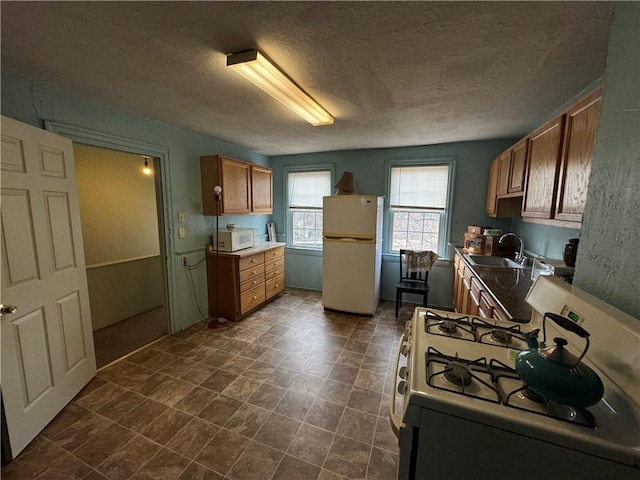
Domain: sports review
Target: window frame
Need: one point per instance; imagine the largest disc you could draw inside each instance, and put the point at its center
(287, 210)
(446, 216)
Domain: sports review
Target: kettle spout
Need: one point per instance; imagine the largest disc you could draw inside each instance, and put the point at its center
(532, 339)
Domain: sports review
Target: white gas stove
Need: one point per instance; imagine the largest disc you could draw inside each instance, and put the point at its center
(461, 411)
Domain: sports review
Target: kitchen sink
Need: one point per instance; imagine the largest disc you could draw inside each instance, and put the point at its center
(493, 262)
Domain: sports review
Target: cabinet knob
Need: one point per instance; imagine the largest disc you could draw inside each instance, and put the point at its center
(277, 285)
(254, 297)
(277, 272)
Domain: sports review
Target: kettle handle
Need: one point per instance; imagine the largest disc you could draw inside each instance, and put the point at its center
(568, 324)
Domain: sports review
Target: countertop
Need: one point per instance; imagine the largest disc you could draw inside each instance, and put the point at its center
(246, 252)
(508, 286)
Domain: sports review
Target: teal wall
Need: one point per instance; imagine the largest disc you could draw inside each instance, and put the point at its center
(608, 265)
(543, 240)
(32, 102)
(304, 267)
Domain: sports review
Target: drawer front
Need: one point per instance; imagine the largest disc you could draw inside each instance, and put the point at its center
(476, 288)
(468, 275)
(276, 264)
(275, 285)
(251, 298)
(485, 307)
(274, 253)
(252, 261)
(251, 283)
(249, 273)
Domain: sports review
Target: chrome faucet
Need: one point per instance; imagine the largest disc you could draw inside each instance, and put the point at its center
(520, 257)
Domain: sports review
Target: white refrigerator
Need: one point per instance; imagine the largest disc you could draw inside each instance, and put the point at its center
(351, 252)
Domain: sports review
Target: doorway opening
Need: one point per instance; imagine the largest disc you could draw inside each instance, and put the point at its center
(122, 229)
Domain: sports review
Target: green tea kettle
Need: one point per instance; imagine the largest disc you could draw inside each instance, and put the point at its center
(555, 374)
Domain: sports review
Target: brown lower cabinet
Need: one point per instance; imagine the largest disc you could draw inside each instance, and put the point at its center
(470, 297)
(240, 282)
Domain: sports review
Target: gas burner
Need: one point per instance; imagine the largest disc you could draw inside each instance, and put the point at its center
(501, 336)
(533, 396)
(458, 373)
(447, 326)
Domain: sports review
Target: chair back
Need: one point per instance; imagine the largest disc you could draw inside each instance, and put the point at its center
(418, 277)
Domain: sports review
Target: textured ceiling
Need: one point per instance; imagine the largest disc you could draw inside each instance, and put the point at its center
(391, 73)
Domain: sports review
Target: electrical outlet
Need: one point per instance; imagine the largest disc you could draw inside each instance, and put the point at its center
(185, 261)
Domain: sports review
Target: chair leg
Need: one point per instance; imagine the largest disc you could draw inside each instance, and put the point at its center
(424, 299)
(398, 299)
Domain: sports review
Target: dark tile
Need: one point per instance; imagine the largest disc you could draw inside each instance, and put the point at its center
(350, 359)
(311, 444)
(293, 468)
(343, 373)
(364, 400)
(192, 438)
(259, 370)
(115, 370)
(222, 451)
(195, 401)
(282, 377)
(383, 465)
(96, 382)
(67, 417)
(100, 396)
(247, 420)
(241, 388)
(257, 461)
(31, 464)
(307, 384)
(96, 450)
(357, 425)
(142, 415)
(347, 457)
(336, 392)
(218, 380)
(236, 364)
(267, 396)
(216, 359)
(370, 380)
(121, 405)
(81, 431)
(67, 468)
(253, 351)
(128, 459)
(325, 414)
(133, 377)
(220, 410)
(278, 431)
(198, 472)
(321, 368)
(295, 405)
(172, 392)
(197, 374)
(384, 436)
(152, 384)
(164, 464)
(177, 367)
(166, 425)
(143, 355)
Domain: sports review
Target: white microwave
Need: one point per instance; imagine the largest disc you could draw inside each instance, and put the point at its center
(236, 239)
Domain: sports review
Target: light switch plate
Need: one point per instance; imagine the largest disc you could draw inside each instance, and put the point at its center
(182, 232)
(180, 217)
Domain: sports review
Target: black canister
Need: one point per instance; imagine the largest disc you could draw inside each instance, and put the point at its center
(569, 252)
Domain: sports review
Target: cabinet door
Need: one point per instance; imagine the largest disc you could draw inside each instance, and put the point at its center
(492, 186)
(580, 135)
(235, 178)
(545, 149)
(503, 173)
(261, 189)
(518, 166)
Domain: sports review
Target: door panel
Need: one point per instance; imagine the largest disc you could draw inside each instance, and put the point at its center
(47, 345)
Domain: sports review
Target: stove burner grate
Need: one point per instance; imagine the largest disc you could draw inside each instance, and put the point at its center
(458, 374)
(460, 327)
(447, 326)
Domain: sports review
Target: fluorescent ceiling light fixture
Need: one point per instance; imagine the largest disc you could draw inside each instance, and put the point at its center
(255, 67)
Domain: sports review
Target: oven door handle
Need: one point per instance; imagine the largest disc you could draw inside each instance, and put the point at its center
(396, 420)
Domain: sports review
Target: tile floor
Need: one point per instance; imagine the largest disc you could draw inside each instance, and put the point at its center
(291, 392)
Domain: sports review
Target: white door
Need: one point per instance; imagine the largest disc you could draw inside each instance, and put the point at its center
(353, 216)
(47, 344)
(349, 279)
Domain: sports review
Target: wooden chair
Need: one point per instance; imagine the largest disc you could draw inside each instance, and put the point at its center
(415, 282)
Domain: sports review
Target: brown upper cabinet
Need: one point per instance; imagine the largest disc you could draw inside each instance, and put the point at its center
(518, 167)
(546, 174)
(246, 187)
(575, 168)
(544, 161)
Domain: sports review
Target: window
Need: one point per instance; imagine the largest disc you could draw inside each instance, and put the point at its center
(418, 201)
(306, 190)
